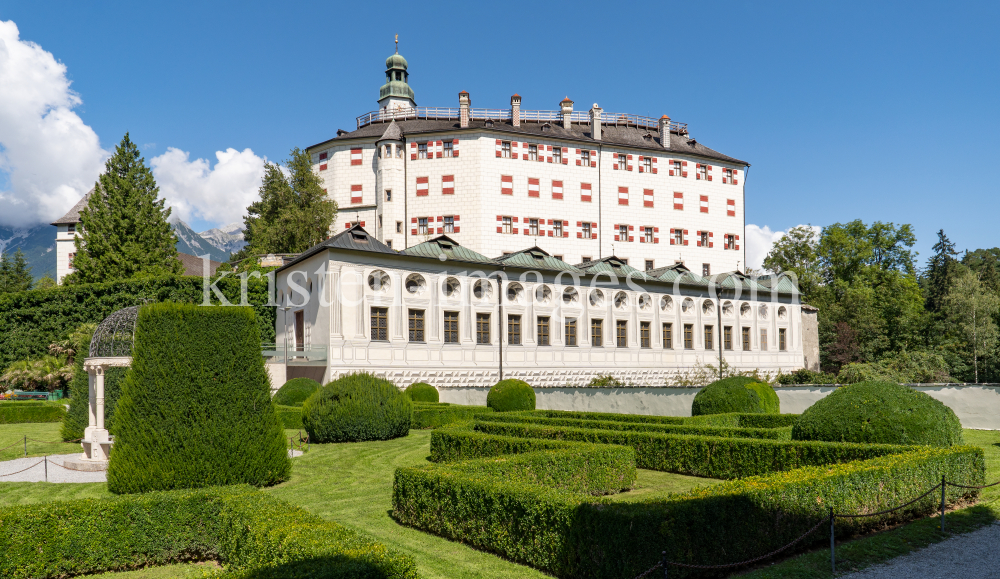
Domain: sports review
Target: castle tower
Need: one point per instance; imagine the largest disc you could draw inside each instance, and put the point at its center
(389, 187)
(396, 93)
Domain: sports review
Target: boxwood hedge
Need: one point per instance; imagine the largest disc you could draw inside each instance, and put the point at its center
(572, 534)
(290, 416)
(295, 391)
(426, 415)
(357, 407)
(19, 412)
(195, 408)
(511, 396)
(743, 420)
(708, 456)
(422, 392)
(735, 394)
(252, 533)
(771, 433)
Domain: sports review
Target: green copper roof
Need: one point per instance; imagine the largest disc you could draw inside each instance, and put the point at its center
(614, 266)
(396, 79)
(446, 246)
(535, 258)
(395, 61)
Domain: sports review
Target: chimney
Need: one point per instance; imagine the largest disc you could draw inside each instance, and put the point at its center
(463, 109)
(595, 122)
(665, 131)
(515, 110)
(567, 110)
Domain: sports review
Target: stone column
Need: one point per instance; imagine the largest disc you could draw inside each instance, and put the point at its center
(99, 397)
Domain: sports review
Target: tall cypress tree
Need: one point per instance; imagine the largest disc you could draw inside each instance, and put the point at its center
(125, 233)
(15, 273)
(940, 271)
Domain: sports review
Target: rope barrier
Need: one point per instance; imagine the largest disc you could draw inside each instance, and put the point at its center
(11, 446)
(934, 488)
(70, 468)
(22, 470)
(53, 442)
(974, 486)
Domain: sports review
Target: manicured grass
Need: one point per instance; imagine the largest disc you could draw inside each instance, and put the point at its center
(179, 571)
(654, 482)
(867, 551)
(48, 432)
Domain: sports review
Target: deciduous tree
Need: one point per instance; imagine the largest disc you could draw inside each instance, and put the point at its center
(971, 311)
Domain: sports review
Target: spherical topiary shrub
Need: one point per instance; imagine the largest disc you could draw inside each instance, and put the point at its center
(357, 407)
(879, 412)
(511, 396)
(295, 391)
(422, 392)
(735, 394)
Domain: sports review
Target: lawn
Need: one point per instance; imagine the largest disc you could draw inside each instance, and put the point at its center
(352, 484)
(179, 571)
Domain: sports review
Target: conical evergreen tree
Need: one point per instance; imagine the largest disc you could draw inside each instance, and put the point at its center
(15, 273)
(940, 270)
(124, 229)
(293, 213)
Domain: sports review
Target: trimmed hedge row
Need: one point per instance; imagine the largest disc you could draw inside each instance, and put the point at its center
(296, 391)
(646, 419)
(427, 415)
(12, 413)
(461, 442)
(707, 456)
(290, 416)
(575, 535)
(743, 420)
(593, 469)
(255, 534)
(768, 433)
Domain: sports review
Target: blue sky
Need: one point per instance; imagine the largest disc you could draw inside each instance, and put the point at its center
(871, 110)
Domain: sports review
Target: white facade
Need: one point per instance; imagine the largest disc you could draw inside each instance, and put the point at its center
(466, 174)
(341, 300)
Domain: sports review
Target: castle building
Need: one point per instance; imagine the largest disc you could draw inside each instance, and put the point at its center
(582, 185)
(553, 246)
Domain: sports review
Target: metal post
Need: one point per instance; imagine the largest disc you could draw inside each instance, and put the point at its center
(663, 563)
(46, 468)
(833, 558)
(25, 446)
(943, 487)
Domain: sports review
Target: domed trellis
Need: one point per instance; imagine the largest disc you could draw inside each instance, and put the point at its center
(111, 346)
(115, 335)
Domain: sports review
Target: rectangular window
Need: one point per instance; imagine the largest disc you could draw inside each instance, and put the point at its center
(72, 256)
(645, 339)
(451, 327)
(570, 331)
(449, 224)
(71, 228)
(585, 259)
(649, 264)
(706, 269)
(688, 337)
(421, 150)
(514, 330)
(703, 172)
(533, 226)
(746, 339)
(543, 330)
(507, 225)
(763, 339)
(448, 148)
(709, 337)
(668, 336)
(622, 233)
(505, 149)
(677, 171)
(380, 324)
(596, 333)
(678, 237)
(621, 333)
(399, 227)
(647, 234)
(727, 176)
(702, 239)
(532, 152)
(585, 158)
(388, 195)
(586, 231)
(647, 164)
(422, 226)
(416, 322)
(730, 241)
(622, 162)
(388, 243)
(782, 346)
(557, 228)
(482, 328)
(557, 155)
(727, 337)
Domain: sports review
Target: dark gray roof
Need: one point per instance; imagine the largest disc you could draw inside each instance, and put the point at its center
(355, 238)
(629, 136)
(392, 133)
(73, 216)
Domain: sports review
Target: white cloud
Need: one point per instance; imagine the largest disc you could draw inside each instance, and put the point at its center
(760, 240)
(196, 190)
(48, 157)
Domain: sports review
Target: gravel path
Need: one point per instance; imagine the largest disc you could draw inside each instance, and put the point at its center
(56, 474)
(974, 555)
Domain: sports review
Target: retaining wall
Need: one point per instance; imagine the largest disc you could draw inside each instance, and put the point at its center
(976, 405)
